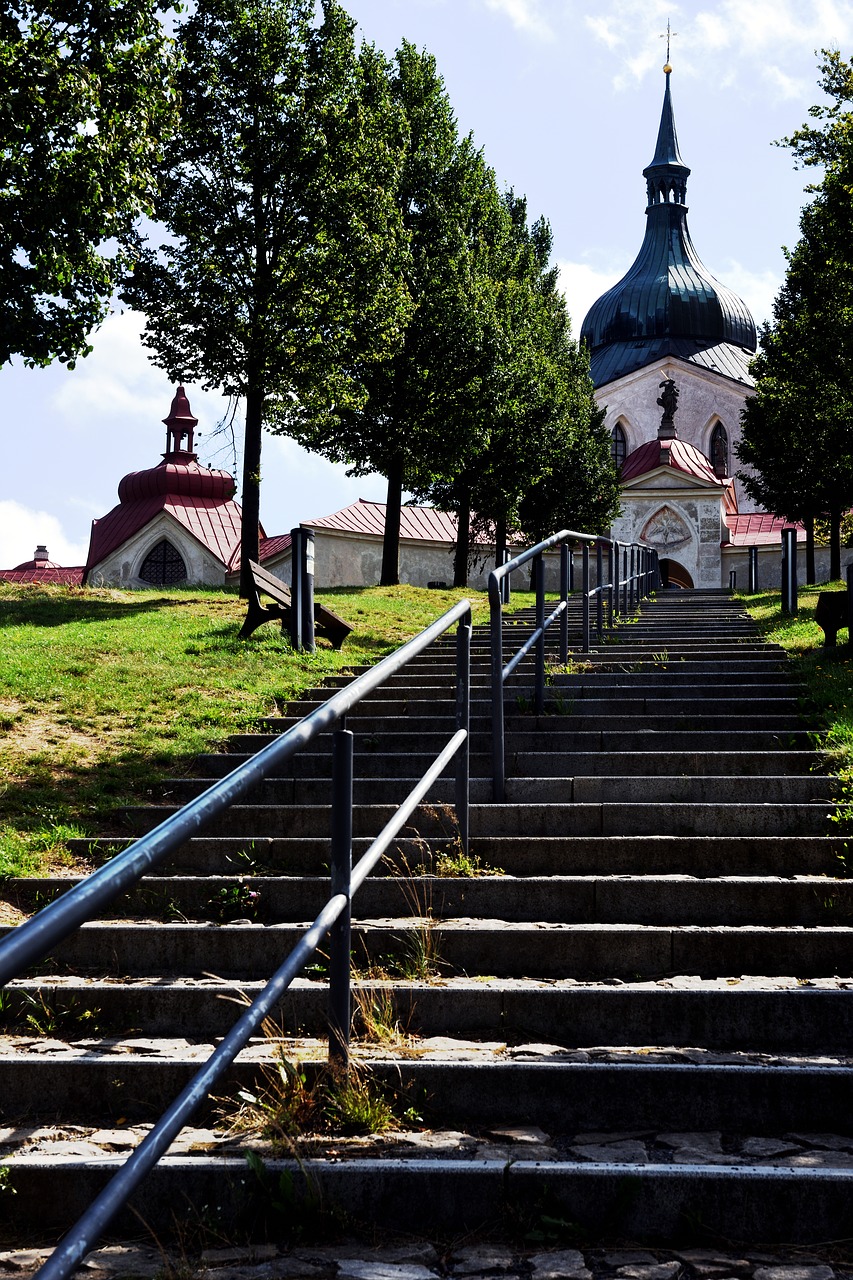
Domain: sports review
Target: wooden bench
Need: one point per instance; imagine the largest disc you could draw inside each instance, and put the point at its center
(831, 615)
(326, 621)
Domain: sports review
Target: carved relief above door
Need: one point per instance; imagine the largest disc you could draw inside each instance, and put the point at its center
(666, 530)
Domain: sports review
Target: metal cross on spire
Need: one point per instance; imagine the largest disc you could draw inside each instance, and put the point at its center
(668, 36)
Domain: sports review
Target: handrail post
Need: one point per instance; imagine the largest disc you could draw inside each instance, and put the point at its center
(463, 721)
(610, 547)
(599, 589)
(309, 643)
(539, 569)
(572, 569)
(564, 596)
(496, 639)
(296, 585)
(624, 583)
(341, 869)
(632, 585)
(585, 591)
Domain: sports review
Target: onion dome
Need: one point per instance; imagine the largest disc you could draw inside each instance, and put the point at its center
(668, 303)
(180, 474)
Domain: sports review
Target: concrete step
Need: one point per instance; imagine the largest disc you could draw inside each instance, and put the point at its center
(792, 737)
(561, 899)
(739, 789)
(530, 855)
(758, 1015)
(491, 947)
(519, 819)
(374, 762)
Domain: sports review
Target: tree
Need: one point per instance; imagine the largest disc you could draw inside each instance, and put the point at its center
(796, 428)
(280, 282)
(87, 103)
(411, 424)
(537, 456)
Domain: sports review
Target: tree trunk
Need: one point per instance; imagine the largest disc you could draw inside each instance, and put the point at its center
(500, 541)
(834, 545)
(463, 529)
(251, 496)
(811, 571)
(391, 540)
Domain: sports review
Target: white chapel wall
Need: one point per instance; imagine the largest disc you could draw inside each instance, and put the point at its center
(121, 567)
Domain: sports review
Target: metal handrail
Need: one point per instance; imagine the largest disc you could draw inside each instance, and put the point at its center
(625, 587)
(35, 938)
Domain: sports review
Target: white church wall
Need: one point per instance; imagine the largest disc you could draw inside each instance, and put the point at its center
(681, 523)
(705, 398)
(121, 568)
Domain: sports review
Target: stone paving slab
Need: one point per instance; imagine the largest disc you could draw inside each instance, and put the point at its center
(422, 1260)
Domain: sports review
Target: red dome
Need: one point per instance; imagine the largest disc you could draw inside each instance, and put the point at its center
(668, 453)
(179, 479)
(28, 565)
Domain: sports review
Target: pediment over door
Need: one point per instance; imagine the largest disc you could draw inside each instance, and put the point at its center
(666, 531)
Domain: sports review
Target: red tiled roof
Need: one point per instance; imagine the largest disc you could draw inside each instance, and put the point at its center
(274, 546)
(760, 529)
(668, 453)
(216, 525)
(423, 524)
(54, 574)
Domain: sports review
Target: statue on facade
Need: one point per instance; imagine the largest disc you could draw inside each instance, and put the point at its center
(668, 401)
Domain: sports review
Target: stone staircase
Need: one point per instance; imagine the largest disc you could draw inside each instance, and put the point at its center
(634, 1020)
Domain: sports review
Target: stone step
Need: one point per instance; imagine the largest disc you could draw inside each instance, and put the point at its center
(664, 717)
(374, 762)
(739, 789)
(490, 1088)
(560, 899)
(618, 739)
(531, 855)
(616, 818)
(464, 1197)
(490, 947)
(755, 1014)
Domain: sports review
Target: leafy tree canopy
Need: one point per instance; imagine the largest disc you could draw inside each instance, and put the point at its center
(796, 432)
(86, 102)
(280, 280)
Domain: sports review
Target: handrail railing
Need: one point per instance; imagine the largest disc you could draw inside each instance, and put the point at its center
(39, 935)
(632, 573)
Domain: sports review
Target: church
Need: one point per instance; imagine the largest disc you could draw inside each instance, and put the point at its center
(670, 337)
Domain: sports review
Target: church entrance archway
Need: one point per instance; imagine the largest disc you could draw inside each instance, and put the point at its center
(673, 574)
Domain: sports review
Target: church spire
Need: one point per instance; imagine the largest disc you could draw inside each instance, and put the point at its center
(666, 176)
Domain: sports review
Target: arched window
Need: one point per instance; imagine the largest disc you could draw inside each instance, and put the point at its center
(163, 566)
(720, 450)
(618, 446)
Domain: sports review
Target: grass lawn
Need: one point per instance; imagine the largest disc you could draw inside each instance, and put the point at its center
(828, 673)
(103, 691)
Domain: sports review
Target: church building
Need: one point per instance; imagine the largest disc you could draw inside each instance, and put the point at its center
(670, 337)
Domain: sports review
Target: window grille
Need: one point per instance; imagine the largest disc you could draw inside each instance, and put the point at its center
(163, 566)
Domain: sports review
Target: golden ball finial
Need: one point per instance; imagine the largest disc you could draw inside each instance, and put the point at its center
(667, 68)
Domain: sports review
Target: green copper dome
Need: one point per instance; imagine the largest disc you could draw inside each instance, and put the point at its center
(668, 304)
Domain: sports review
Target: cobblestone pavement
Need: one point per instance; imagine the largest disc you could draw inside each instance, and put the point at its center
(425, 1261)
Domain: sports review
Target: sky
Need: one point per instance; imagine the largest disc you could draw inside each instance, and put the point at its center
(564, 96)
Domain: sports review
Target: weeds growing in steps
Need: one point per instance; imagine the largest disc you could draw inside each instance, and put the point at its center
(46, 1013)
(287, 1105)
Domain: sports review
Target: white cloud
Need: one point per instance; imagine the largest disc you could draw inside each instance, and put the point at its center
(23, 529)
(583, 285)
(727, 33)
(525, 15)
(785, 86)
(757, 288)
